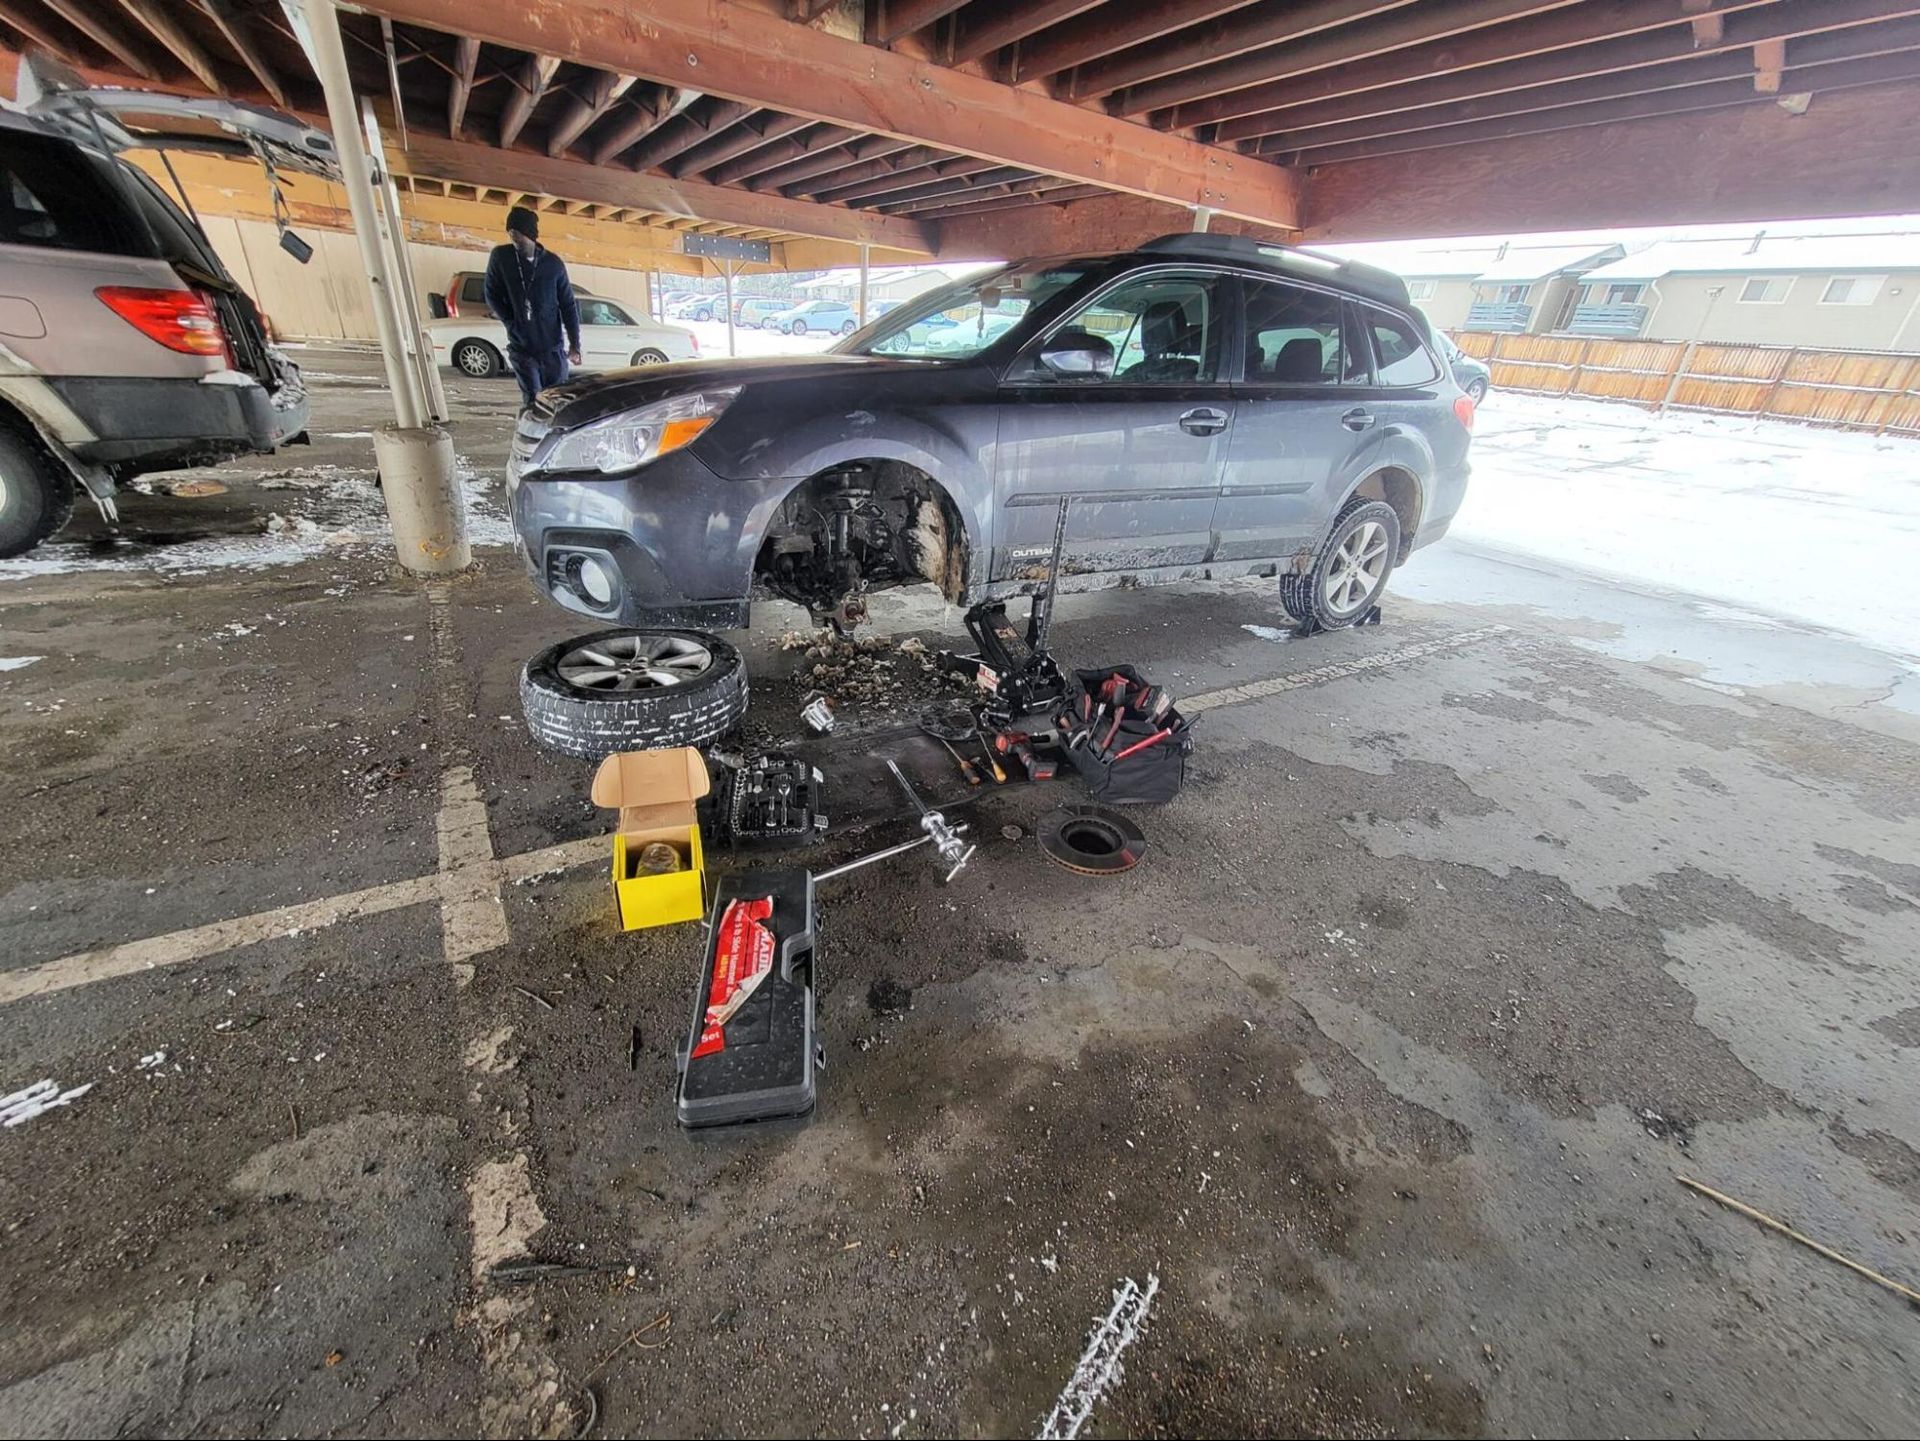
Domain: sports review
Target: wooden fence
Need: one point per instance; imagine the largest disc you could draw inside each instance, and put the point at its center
(1874, 390)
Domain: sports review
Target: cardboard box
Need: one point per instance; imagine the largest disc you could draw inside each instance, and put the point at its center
(655, 792)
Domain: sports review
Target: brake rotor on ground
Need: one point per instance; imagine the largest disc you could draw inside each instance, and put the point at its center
(1090, 840)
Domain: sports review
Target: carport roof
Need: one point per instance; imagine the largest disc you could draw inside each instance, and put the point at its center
(971, 128)
(1537, 262)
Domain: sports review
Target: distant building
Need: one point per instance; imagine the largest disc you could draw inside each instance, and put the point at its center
(1844, 292)
(898, 282)
(1491, 285)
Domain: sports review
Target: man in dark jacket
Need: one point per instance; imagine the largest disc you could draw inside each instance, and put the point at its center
(528, 292)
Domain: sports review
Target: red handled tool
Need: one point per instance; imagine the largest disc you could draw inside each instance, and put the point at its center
(1153, 739)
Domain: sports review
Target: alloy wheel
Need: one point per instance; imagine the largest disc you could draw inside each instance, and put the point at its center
(1356, 568)
(635, 662)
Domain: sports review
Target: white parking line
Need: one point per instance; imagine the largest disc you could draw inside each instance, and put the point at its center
(1099, 1366)
(468, 883)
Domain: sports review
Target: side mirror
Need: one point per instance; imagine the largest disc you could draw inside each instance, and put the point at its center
(1075, 354)
(295, 246)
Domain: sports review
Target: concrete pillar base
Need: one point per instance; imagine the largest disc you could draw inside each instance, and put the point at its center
(424, 501)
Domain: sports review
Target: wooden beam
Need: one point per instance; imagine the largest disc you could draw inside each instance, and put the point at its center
(687, 199)
(1565, 29)
(1769, 59)
(634, 127)
(1851, 154)
(896, 19)
(856, 152)
(946, 187)
(1058, 195)
(1836, 75)
(781, 153)
(466, 59)
(182, 46)
(594, 99)
(80, 15)
(1389, 86)
(909, 157)
(699, 121)
(749, 135)
(1007, 22)
(911, 178)
(1714, 68)
(233, 28)
(1107, 31)
(1707, 23)
(749, 54)
(1230, 45)
(530, 84)
(966, 192)
(31, 30)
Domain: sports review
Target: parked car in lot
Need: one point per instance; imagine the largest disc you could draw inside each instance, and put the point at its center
(818, 317)
(1473, 376)
(129, 347)
(753, 311)
(612, 337)
(698, 307)
(1211, 406)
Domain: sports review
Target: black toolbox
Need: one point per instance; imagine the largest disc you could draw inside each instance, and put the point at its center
(751, 1057)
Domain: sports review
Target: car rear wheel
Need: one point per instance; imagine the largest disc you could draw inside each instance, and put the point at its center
(846, 327)
(649, 356)
(627, 689)
(703, 314)
(478, 359)
(799, 327)
(1350, 572)
(1478, 390)
(36, 493)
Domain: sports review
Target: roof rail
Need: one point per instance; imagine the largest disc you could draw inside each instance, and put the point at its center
(1368, 280)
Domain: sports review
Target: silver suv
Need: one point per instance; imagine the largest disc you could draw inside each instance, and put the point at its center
(125, 346)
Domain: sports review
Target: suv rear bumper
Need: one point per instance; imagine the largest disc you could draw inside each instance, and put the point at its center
(147, 423)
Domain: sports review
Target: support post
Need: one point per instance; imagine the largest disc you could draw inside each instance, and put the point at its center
(863, 281)
(418, 480)
(728, 264)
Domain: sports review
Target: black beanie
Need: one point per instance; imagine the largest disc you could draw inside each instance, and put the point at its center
(525, 221)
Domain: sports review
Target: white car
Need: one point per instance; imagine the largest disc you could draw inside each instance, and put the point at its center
(612, 337)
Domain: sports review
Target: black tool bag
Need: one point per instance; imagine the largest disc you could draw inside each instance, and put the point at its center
(1107, 748)
(758, 1063)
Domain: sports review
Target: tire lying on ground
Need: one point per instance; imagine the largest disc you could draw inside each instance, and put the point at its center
(632, 690)
(1349, 572)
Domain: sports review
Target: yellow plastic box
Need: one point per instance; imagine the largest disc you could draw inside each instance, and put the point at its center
(655, 792)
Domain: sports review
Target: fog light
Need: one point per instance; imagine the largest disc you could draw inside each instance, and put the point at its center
(593, 579)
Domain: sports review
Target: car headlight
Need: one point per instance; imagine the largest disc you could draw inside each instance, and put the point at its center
(632, 439)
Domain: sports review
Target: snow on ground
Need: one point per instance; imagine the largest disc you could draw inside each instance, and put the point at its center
(713, 340)
(1821, 526)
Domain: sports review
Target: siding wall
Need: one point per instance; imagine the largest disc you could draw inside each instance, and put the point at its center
(1891, 322)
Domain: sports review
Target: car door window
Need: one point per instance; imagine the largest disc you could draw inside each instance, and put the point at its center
(1295, 337)
(1165, 329)
(602, 312)
(1401, 356)
(55, 195)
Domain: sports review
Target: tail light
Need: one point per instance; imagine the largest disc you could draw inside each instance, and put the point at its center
(453, 300)
(179, 319)
(696, 342)
(1463, 407)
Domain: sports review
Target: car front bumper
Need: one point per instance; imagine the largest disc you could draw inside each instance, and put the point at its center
(671, 544)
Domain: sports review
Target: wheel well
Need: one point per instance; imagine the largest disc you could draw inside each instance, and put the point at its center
(860, 525)
(1400, 490)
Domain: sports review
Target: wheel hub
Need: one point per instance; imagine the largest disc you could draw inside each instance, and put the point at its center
(635, 662)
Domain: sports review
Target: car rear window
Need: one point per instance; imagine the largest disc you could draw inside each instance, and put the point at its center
(58, 196)
(1401, 357)
(473, 290)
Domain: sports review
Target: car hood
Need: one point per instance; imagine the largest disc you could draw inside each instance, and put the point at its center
(581, 401)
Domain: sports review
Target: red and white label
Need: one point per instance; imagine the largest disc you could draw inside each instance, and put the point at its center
(743, 958)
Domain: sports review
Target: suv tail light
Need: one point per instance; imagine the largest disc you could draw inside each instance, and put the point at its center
(453, 300)
(179, 319)
(696, 342)
(1463, 407)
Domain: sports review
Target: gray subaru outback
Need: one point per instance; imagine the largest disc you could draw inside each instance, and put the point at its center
(1214, 407)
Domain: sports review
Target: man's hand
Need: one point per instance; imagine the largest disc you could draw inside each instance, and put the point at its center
(573, 356)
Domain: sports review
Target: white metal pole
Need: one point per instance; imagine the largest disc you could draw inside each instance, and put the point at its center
(429, 394)
(330, 64)
(863, 282)
(729, 274)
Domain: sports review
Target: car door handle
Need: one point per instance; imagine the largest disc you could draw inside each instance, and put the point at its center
(1359, 418)
(1204, 420)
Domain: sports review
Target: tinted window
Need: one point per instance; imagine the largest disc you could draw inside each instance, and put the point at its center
(1400, 354)
(1164, 329)
(602, 312)
(57, 195)
(473, 290)
(1293, 336)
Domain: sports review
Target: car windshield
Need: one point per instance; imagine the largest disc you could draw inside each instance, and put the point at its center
(958, 321)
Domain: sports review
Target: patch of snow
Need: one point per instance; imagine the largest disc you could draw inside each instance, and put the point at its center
(18, 662)
(39, 1098)
(1267, 632)
(1772, 518)
(235, 378)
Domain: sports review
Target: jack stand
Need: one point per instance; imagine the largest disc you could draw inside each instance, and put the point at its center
(1017, 673)
(1309, 628)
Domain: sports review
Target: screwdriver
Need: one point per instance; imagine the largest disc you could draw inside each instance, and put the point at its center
(993, 761)
(966, 766)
